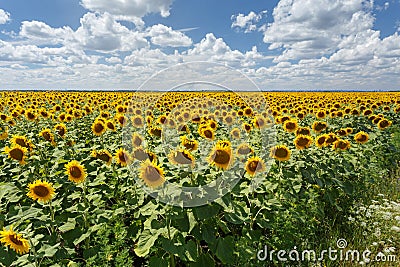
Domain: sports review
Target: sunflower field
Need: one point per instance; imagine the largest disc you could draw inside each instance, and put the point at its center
(195, 178)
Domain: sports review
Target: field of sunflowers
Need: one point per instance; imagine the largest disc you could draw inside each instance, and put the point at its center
(193, 178)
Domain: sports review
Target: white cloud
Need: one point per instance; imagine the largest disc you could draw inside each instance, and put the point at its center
(97, 32)
(113, 60)
(4, 16)
(309, 28)
(165, 36)
(127, 9)
(247, 22)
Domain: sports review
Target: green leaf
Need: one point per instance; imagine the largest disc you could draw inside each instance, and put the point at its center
(157, 262)
(203, 260)
(69, 225)
(146, 241)
(205, 212)
(224, 249)
(81, 238)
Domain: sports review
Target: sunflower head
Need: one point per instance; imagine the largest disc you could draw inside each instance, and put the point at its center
(181, 157)
(16, 152)
(15, 241)
(319, 126)
(3, 133)
(41, 191)
(235, 133)
(254, 165)
(189, 144)
(137, 140)
(48, 136)
(303, 141)
(290, 126)
(280, 152)
(75, 171)
(221, 155)
(303, 131)
(61, 129)
(244, 149)
(123, 157)
(361, 137)
(320, 140)
(341, 144)
(207, 132)
(98, 127)
(103, 155)
(151, 174)
(110, 125)
(383, 124)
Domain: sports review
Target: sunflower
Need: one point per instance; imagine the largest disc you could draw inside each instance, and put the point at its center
(303, 141)
(320, 140)
(181, 157)
(319, 126)
(137, 140)
(151, 174)
(361, 137)
(244, 149)
(155, 131)
(14, 240)
(137, 121)
(31, 115)
(290, 126)
(41, 191)
(110, 125)
(122, 120)
(303, 131)
(98, 127)
(221, 155)
(103, 155)
(48, 136)
(349, 130)
(383, 124)
(207, 133)
(123, 158)
(16, 152)
(254, 165)
(189, 144)
(341, 132)
(280, 152)
(331, 138)
(3, 133)
(76, 172)
(341, 144)
(235, 133)
(259, 122)
(247, 127)
(61, 129)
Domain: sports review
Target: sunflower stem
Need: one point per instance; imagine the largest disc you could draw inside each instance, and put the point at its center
(85, 213)
(35, 256)
(51, 216)
(168, 222)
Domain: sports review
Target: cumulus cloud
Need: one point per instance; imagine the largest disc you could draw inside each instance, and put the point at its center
(165, 36)
(247, 22)
(308, 28)
(128, 9)
(4, 16)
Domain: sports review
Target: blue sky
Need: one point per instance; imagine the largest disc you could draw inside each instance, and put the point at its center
(287, 44)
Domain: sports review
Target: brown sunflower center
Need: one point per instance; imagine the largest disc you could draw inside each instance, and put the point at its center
(17, 154)
(31, 116)
(21, 142)
(321, 140)
(98, 127)
(137, 121)
(75, 172)
(208, 133)
(60, 131)
(244, 150)
(182, 158)
(362, 138)
(140, 155)
(302, 142)
(383, 123)
(290, 125)
(152, 174)
(320, 126)
(41, 191)
(104, 157)
(123, 157)
(281, 153)
(14, 238)
(254, 165)
(221, 157)
(342, 145)
(137, 141)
